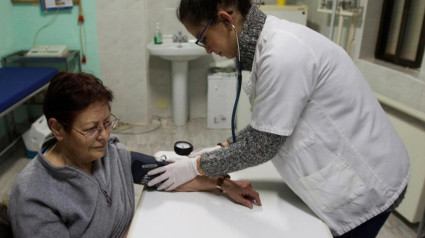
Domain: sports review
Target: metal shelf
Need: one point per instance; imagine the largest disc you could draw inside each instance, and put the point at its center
(71, 61)
(345, 13)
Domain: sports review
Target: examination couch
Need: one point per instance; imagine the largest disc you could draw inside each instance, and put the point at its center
(18, 84)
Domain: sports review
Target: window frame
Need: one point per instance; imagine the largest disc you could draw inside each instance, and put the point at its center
(384, 30)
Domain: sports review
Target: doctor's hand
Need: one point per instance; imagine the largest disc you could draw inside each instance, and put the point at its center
(174, 174)
(201, 151)
(241, 192)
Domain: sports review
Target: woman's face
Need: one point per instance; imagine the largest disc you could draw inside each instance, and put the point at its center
(219, 38)
(84, 150)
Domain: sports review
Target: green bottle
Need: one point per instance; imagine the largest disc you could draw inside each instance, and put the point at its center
(157, 35)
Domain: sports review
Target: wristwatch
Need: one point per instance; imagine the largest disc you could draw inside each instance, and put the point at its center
(220, 182)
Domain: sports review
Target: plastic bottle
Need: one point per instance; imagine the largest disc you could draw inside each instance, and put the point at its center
(157, 35)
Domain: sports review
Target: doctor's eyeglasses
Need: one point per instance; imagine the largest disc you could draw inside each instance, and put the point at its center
(201, 41)
(94, 132)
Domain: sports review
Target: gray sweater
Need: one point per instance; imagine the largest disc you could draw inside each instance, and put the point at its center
(50, 201)
(253, 147)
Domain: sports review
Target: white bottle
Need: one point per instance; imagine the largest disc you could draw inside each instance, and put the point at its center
(157, 39)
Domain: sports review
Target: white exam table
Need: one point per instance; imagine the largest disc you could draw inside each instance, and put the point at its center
(206, 214)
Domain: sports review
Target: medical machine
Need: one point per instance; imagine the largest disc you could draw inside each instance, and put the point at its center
(141, 164)
(48, 51)
(55, 5)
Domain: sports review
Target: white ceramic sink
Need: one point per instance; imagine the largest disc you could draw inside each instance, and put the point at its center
(179, 54)
(176, 51)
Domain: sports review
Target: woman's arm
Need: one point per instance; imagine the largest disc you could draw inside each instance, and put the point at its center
(239, 191)
(31, 217)
(239, 136)
(254, 147)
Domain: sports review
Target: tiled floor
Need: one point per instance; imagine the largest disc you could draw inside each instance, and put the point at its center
(163, 139)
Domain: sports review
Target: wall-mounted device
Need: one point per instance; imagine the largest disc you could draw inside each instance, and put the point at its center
(53, 5)
(48, 51)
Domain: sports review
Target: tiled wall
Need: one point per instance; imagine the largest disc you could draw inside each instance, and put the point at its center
(164, 12)
(122, 27)
(138, 80)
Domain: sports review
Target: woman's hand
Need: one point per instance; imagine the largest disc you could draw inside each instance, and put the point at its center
(241, 192)
(174, 174)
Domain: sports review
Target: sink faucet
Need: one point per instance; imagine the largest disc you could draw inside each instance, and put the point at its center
(179, 37)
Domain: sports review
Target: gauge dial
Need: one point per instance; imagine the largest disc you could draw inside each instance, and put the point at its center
(183, 148)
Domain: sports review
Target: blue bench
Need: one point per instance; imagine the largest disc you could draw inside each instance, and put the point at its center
(18, 84)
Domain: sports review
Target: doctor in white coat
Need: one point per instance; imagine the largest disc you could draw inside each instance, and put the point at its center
(314, 115)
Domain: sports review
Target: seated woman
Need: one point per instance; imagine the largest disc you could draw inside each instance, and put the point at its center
(80, 183)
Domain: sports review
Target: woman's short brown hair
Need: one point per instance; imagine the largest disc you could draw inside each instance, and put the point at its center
(70, 93)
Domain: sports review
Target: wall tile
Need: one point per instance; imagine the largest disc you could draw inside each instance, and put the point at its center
(164, 12)
(122, 53)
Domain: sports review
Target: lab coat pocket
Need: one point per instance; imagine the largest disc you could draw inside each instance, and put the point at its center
(334, 186)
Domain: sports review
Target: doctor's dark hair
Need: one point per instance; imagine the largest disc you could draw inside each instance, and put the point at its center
(70, 93)
(196, 11)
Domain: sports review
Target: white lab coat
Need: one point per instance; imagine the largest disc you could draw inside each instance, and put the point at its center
(342, 155)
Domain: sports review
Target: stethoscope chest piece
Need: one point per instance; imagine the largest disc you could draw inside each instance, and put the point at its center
(183, 148)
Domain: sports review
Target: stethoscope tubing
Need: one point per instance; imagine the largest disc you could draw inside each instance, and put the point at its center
(236, 101)
(239, 75)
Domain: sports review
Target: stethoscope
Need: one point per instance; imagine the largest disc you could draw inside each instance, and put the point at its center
(239, 75)
(183, 147)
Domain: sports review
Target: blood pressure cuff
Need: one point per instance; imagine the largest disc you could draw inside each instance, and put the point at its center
(141, 164)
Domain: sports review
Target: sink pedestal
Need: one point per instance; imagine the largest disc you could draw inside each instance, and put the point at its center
(179, 72)
(179, 54)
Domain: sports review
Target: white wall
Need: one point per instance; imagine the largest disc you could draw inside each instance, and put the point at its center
(122, 39)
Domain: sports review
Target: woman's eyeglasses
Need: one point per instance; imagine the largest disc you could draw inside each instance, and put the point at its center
(201, 41)
(93, 133)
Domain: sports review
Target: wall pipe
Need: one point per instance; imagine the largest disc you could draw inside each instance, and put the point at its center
(331, 33)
